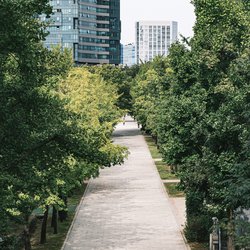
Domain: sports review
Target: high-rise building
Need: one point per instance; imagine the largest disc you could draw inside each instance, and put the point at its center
(91, 28)
(63, 28)
(128, 55)
(154, 38)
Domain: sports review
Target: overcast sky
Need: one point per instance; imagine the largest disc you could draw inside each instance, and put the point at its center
(181, 11)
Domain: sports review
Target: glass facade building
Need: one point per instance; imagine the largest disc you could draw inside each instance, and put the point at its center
(128, 57)
(91, 28)
(63, 28)
(154, 38)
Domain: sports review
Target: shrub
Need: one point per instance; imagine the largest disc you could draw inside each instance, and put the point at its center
(197, 228)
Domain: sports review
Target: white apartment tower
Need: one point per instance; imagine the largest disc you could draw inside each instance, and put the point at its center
(154, 38)
(128, 57)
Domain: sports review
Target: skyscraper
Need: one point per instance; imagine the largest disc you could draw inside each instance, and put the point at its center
(91, 28)
(128, 55)
(63, 28)
(154, 38)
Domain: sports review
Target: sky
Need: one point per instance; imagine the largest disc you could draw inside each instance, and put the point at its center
(181, 11)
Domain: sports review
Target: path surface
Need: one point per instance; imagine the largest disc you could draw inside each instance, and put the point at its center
(126, 207)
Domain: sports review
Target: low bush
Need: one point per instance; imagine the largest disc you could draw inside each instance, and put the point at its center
(197, 228)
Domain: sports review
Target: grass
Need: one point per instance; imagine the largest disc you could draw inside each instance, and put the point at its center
(173, 190)
(198, 246)
(153, 148)
(165, 171)
(55, 241)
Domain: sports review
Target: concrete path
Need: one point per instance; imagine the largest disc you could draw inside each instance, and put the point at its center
(127, 206)
(179, 207)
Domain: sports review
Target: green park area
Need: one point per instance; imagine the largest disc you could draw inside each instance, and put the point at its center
(57, 119)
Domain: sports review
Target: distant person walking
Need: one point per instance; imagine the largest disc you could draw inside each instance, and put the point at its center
(123, 119)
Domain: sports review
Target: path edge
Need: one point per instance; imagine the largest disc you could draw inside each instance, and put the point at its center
(167, 196)
(76, 213)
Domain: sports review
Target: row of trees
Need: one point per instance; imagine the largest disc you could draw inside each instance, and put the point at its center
(56, 122)
(196, 104)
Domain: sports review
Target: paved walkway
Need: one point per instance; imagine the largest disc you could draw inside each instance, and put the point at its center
(126, 207)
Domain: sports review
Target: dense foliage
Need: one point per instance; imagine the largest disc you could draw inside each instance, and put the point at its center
(196, 103)
(121, 78)
(55, 122)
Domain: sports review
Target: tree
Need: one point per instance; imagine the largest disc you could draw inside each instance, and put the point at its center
(23, 71)
(201, 120)
(147, 92)
(49, 143)
(122, 79)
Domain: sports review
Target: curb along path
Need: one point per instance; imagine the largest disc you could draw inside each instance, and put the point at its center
(126, 207)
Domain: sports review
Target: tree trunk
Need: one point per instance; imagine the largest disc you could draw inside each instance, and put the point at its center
(26, 236)
(63, 214)
(172, 169)
(156, 142)
(231, 230)
(54, 220)
(44, 226)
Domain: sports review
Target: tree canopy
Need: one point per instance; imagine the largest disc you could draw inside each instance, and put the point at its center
(56, 121)
(197, 106)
